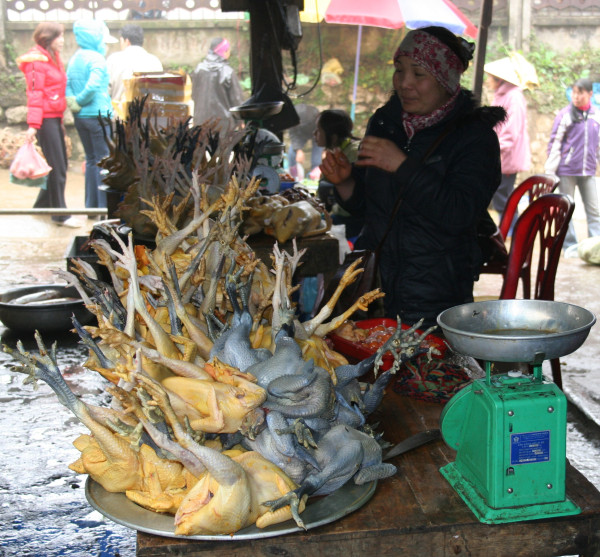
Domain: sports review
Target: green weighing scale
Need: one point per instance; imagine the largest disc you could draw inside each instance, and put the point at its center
(509, 430)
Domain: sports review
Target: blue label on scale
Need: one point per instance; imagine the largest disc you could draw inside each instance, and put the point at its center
(526, 448)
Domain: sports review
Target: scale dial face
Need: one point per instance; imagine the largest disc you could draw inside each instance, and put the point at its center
(452, 418)
(269, 177)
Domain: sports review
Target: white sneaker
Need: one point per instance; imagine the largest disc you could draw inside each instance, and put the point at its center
(71, 222)
(571, 252)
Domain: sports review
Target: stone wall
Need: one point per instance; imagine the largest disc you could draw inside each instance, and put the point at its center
(176, 43)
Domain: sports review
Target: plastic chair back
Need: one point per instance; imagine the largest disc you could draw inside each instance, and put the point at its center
(546, 218)
(536, 185)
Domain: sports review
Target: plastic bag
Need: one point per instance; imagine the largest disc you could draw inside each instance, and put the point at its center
(29, 168)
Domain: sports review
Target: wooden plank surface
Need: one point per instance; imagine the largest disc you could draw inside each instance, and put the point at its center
(417, 512)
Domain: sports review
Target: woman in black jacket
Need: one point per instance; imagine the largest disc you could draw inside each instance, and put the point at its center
(428, 167)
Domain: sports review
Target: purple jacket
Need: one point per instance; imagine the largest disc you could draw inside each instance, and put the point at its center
(515, 152)
(573, 145)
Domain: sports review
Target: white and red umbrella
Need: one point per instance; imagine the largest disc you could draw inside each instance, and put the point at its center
(390, 14)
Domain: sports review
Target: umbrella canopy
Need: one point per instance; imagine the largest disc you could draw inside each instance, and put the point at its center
(389, 14)
(395, 14)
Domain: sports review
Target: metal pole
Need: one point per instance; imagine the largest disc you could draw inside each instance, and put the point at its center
(50, 211)
(356, 69)
(485, 21)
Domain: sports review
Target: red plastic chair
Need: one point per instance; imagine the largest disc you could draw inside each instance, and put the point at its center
(536, 186)
(546, 219)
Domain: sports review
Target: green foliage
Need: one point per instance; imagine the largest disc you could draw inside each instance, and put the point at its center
(12, 82)
(10, 52)
(557, 72)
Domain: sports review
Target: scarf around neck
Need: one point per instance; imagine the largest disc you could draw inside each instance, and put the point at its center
(415, 122)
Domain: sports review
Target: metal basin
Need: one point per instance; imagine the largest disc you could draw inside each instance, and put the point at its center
(256, 111)
(527, 331)
(51, 317)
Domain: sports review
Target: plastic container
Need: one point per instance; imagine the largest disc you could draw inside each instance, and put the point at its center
(360, 352)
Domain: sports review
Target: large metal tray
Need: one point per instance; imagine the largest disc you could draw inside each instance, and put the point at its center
(319, 511)
(528, 331)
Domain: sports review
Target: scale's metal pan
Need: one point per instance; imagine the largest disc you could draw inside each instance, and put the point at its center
(256, 111)
(528, 331)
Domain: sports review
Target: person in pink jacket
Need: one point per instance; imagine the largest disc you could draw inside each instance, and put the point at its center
(46, 103)
(515, 152)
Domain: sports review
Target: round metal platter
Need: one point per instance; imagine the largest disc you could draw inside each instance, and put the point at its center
(527, 331)
(319, 511)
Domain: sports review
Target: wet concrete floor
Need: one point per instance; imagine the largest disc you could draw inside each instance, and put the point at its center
(43, 507)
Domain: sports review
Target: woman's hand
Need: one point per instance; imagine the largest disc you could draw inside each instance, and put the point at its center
(335, 166)
(30, 135)
(382, 153)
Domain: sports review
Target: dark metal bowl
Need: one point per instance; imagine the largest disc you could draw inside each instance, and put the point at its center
(51, 317)
(527, 331)
(256, 111)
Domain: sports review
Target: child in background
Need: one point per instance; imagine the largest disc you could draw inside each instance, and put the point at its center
(334, 131)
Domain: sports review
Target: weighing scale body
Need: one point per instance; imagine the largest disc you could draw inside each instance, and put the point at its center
(510, 430)
(512, 445)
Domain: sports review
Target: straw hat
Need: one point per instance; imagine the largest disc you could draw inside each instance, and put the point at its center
(515, 69)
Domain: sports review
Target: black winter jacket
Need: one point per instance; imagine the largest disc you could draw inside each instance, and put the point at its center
(430, 257)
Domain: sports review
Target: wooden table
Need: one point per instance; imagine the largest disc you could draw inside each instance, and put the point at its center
(416, 513)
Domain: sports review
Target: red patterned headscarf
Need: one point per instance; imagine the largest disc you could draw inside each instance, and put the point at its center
(434, 56)
(440, 61)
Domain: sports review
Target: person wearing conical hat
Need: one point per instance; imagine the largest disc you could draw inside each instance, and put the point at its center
(515, 151)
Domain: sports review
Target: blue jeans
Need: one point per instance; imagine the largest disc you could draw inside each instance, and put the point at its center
(95, 147)
(589, 196)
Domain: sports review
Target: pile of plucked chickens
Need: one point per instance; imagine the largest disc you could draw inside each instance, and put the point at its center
(145, 160)
(226, 411)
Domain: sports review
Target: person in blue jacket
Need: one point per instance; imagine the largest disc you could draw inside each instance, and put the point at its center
(573, 154)
(89, 100)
